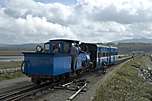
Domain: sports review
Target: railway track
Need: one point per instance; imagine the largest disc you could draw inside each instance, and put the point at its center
(29, 90)
(19, 93)
(8, 91)
(12, 95)
(26, 92)
(22, 92)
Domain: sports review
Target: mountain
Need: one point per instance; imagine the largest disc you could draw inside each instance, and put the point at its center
(124, 46)
(134, 47)
(138, 40)
(20, 47)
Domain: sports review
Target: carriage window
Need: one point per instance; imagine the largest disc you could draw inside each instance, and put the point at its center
(108, 54)
(99, 55)
(104, 54)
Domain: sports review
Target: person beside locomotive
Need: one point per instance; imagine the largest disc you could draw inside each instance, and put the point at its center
(74, 52)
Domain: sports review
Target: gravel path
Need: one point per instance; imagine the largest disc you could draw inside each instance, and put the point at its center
(14, 82)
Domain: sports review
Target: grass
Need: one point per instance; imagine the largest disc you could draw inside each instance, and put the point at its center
(125, 84)
(11, 76)
(10, 64)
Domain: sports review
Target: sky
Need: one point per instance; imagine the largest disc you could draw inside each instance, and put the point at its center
(28, 21)
(65, 2)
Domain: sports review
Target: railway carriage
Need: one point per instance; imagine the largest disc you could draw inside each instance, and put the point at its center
(106, 55)
(114, 55)
(53, 60)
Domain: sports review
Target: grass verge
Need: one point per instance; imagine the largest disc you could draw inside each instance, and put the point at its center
(11, 76)
(10, 64)
(125, 84)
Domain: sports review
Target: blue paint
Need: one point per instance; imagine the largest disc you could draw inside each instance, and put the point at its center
(46, 64)
(82, 58)
(37, 64)
(61, 65)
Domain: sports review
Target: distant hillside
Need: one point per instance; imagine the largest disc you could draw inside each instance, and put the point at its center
(123, 47)
(139, 40)
(130, 47)
(20, 47)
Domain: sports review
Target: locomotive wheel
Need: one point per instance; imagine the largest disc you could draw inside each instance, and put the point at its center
(36, 80)
(78, 72)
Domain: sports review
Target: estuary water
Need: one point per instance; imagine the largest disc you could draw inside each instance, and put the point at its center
(11, 58)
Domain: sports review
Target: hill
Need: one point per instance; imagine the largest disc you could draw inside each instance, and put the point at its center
(123, 47)
(137, 40)
(127, 82)
(20, 47)
(130, 47)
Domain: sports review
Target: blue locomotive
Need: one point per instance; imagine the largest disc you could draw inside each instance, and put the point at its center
(62, 58)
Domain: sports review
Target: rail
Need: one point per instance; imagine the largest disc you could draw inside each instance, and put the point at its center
(18, 94)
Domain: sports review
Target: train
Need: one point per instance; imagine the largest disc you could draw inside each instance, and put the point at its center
(55, 59)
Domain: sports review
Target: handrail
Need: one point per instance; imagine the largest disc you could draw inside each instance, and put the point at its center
(22, 66)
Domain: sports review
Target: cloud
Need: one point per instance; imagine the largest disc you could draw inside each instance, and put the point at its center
(31, 29)
(87, 20)
(121, 11)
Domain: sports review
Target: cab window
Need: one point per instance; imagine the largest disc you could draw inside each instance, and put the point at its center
(66, 47)
(56, 47)
(46, 47)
